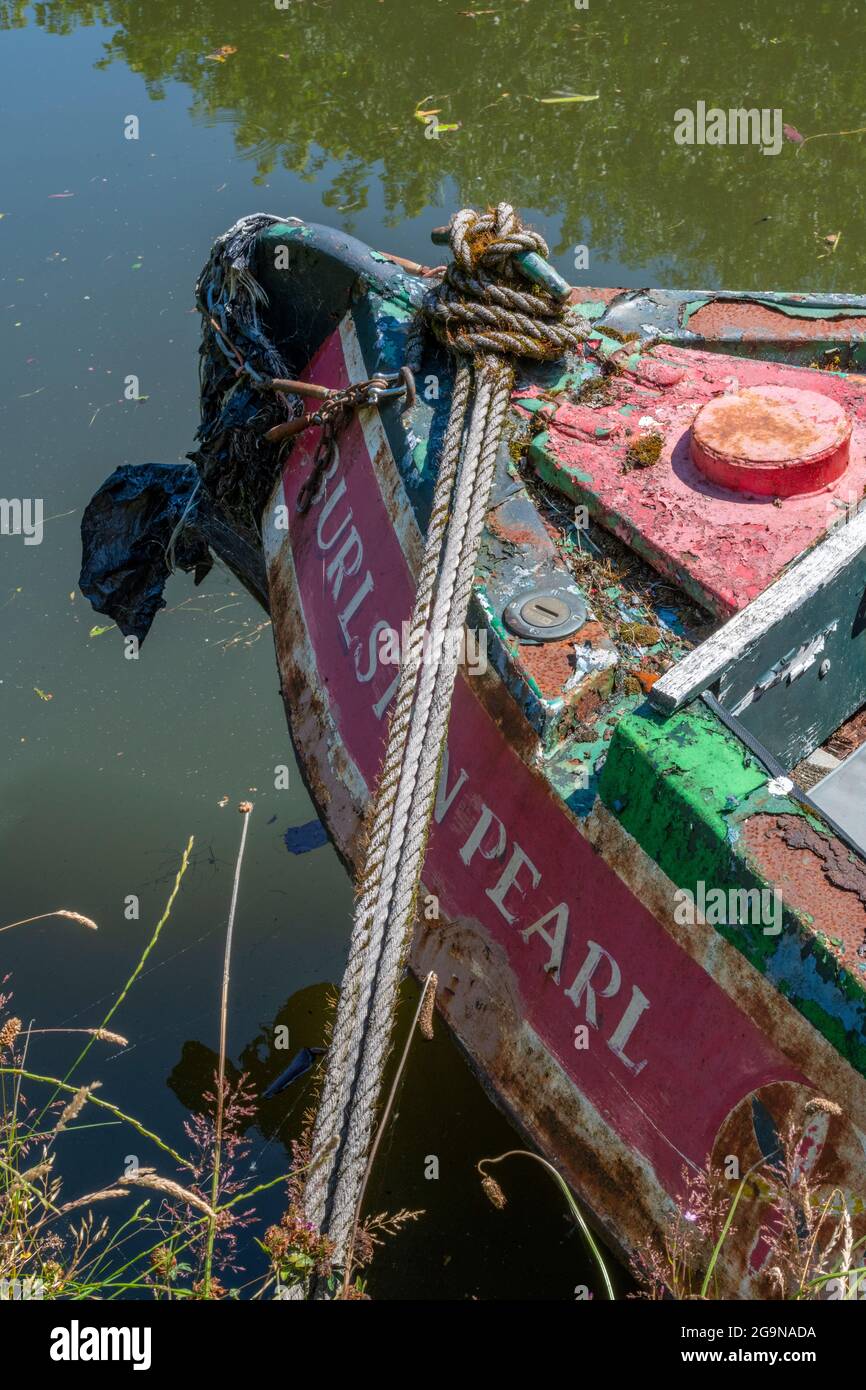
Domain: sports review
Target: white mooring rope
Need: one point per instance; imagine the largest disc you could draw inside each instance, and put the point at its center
(485, 316)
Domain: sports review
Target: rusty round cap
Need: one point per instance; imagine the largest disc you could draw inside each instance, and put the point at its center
(775, 441)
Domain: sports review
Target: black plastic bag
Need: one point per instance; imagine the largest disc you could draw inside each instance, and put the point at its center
(131, 541)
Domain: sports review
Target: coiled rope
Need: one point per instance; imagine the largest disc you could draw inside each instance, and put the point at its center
(486, 315)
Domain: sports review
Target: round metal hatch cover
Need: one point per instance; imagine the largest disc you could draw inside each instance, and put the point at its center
(773, 441)
(547, 613)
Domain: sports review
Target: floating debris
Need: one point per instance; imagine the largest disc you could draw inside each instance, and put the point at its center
(571, 97)
(831, 241)
(298, 1067)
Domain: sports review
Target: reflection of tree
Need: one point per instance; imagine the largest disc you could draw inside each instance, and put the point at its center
(304, 1015)
(320, 82)
(467, 1246)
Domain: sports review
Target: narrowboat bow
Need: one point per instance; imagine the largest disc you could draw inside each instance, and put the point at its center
(645, 888)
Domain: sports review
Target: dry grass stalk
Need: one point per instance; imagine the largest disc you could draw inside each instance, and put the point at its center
(148, 1177)
(819, 1103)
(75, 917)
(76, 1105)
(58, 912)
(101, 1196)
(40, 1170)
(100, 1034)
(245, 808)
(373, 1233)
(69, 1262)
(493, 1192)
(9, 1032)
(428, 1003)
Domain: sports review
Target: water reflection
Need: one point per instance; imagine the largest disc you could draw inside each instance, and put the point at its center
(460, 1246)
(334, 91)
(301, 1022)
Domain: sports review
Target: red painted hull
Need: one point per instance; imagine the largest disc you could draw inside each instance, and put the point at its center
(591, 1017)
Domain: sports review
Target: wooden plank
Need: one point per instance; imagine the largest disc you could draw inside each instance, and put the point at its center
(765, 664)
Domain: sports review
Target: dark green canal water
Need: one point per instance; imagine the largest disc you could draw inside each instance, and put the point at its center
(309, 108)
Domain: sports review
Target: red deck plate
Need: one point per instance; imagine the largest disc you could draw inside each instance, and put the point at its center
(724, 546)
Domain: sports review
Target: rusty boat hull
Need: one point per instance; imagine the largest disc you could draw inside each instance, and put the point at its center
(629, 1046)
(581, 804)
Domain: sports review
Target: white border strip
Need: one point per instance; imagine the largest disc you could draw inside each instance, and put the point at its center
(385, 468)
